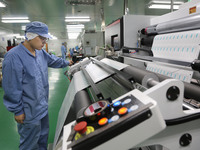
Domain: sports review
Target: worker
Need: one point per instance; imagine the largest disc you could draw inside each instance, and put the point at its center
(26, 87)
(71, 52)
(63, 50)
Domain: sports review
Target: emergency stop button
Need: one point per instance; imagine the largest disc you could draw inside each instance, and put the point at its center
(81, 127)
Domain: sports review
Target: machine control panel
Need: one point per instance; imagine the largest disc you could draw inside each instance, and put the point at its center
(104, 120)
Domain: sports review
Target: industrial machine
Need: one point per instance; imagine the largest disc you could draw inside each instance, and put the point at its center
(139, 112)
(147, 100)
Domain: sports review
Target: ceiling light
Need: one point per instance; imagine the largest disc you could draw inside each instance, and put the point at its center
(166, 2)
(77, 26)
(15, 21)
(15, 18)
(77, 20)
(158, 6)
(84, 17)
(2, 4)
(81, 2)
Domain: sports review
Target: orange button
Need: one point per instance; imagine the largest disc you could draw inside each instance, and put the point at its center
(103, 121)
(122, 111)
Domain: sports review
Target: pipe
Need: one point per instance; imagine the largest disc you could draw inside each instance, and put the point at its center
(184, 24)
(126, 7)
(172, 5)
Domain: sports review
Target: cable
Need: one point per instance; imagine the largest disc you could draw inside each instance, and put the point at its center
(181, 120)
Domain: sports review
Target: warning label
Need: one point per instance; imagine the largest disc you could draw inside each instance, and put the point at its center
(192, 10)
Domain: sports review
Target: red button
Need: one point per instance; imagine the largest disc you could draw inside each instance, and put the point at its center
(81, 127)
(102, 121)
(122, 111)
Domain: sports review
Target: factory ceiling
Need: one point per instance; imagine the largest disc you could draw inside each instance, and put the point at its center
(53, 13)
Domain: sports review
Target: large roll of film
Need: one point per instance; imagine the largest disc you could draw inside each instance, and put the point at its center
(184, 24)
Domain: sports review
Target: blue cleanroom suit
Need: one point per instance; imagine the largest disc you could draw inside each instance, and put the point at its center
(64, 51)
(71, 50)
(26, 87)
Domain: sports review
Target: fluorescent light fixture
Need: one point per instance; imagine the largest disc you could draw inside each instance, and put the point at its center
(74, 30)
(77, 20)
(2, 4)
(77, 26)
(86, 17)
(15, 21)
(15, 18)
(167, 2)
(158, 6)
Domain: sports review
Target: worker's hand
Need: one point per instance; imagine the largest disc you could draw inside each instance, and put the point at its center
(70, 62)
(20, 118)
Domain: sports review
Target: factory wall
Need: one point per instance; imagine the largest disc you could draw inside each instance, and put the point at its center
(54, 46)
(90, 41)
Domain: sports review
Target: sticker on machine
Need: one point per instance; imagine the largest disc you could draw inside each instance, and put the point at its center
(192, 10)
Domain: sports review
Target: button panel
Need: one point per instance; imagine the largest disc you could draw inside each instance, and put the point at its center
(103, 116)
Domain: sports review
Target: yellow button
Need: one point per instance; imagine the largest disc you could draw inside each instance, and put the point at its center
(122, 111)
(103, 121)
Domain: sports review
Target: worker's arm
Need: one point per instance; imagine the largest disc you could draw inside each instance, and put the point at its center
(56, 62)
(12, 84)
